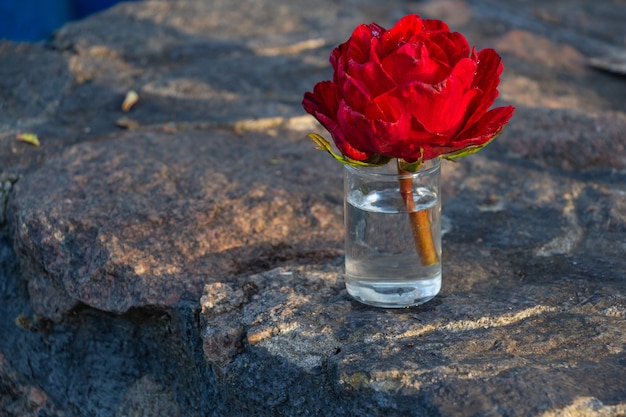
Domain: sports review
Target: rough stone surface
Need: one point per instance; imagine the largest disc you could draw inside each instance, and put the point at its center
(525, 313)
(192, 265)
(19, 397)
(197, 207)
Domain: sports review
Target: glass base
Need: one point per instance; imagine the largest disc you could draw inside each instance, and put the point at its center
(386, 294)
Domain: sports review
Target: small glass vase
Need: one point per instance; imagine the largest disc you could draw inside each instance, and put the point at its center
(393, 234)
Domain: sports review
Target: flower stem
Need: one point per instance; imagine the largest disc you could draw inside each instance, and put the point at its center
(420, 222)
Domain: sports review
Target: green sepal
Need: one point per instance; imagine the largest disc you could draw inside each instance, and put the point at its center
(469, 150)
(324, 145)
(411, 166)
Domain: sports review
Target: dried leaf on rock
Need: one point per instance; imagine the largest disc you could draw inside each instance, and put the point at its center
(130, 100)
(30, 138)
(127, 123)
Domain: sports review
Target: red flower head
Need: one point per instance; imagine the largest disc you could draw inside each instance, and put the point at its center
(415, 92)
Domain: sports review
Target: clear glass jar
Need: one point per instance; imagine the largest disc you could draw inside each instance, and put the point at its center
(393, 234)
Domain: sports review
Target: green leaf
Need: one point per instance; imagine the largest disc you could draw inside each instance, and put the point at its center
(30, 138)
(324, 145)
(411, 166)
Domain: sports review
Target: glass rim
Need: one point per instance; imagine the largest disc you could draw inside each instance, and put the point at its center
(371, 173)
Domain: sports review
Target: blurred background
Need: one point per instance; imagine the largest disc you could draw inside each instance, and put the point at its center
(35, 20)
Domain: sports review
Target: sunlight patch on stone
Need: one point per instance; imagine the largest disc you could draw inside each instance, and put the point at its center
(467, 325)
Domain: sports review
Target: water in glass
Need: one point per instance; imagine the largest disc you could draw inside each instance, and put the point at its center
(382, 265)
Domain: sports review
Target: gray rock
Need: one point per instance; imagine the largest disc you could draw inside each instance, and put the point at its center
(148, 398)
(149, 218)
(571, 140)
(19, 398)
(507, 326)
(6, 184)
(192, 266)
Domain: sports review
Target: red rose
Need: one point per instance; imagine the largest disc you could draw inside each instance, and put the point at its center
(416, 91)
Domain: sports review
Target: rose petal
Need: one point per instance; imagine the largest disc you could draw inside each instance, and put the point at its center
(405, 29)
(390, 106)
(323, 99)
(323, 105)
(489, 124)
(342, 142)
(413, 147)
(358, 46)
(336, 55)
(355, 94)
(391, 135)
(435, 25)
(441, 108)
(488, 127)
(453, 45)
(372, 75)
(372, 136)
(486, 83)
(358, 140)
(413, 63)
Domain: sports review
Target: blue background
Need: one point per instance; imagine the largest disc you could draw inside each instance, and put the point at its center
(34, 20)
